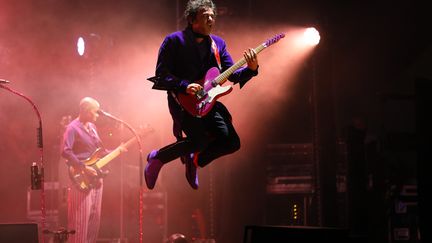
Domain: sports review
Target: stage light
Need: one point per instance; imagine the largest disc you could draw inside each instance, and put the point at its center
(311, 36)
(81, 46)
(177, 238)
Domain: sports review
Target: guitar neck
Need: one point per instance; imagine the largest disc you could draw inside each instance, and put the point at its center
(113, 154)
(224, 76)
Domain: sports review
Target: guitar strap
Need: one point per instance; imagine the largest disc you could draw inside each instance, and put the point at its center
(216, 53)
(93, 132)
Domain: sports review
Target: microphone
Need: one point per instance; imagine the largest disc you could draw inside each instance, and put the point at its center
(104, 113)
(4, 81)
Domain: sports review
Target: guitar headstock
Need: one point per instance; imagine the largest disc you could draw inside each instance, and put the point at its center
(273, 40)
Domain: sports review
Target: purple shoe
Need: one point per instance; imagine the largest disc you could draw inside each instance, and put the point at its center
(152, 169)
(191, 170)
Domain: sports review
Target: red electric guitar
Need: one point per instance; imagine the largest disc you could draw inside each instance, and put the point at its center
(203, 101)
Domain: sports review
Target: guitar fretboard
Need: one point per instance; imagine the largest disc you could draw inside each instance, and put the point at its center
(113, 154)
(224, 76)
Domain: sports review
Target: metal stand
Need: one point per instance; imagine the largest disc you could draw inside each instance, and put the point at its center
(121, 189)
(141, 177)
(37, 171)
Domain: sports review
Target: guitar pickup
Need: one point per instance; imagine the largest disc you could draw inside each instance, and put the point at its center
(214, 83)
(200, 94)
(202, 104)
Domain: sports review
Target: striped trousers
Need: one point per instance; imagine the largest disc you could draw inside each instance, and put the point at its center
(84, 210)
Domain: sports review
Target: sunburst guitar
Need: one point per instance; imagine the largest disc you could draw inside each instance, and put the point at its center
(84, 180)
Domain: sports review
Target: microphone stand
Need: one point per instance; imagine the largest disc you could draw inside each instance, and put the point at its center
(141, 166)
(37, 172)
(132, 130)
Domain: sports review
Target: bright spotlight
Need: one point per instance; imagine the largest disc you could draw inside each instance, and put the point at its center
(81, 46)
(311, 36)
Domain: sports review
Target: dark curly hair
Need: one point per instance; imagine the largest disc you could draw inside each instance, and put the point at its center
(193, 6)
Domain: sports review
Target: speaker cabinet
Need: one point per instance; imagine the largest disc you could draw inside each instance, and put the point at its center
(294, 234)
(22, 232)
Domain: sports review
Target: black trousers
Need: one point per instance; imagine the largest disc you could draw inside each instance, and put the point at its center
(212, 136)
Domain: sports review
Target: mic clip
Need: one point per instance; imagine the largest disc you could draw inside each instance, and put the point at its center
(106, 114)
(36, 177)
